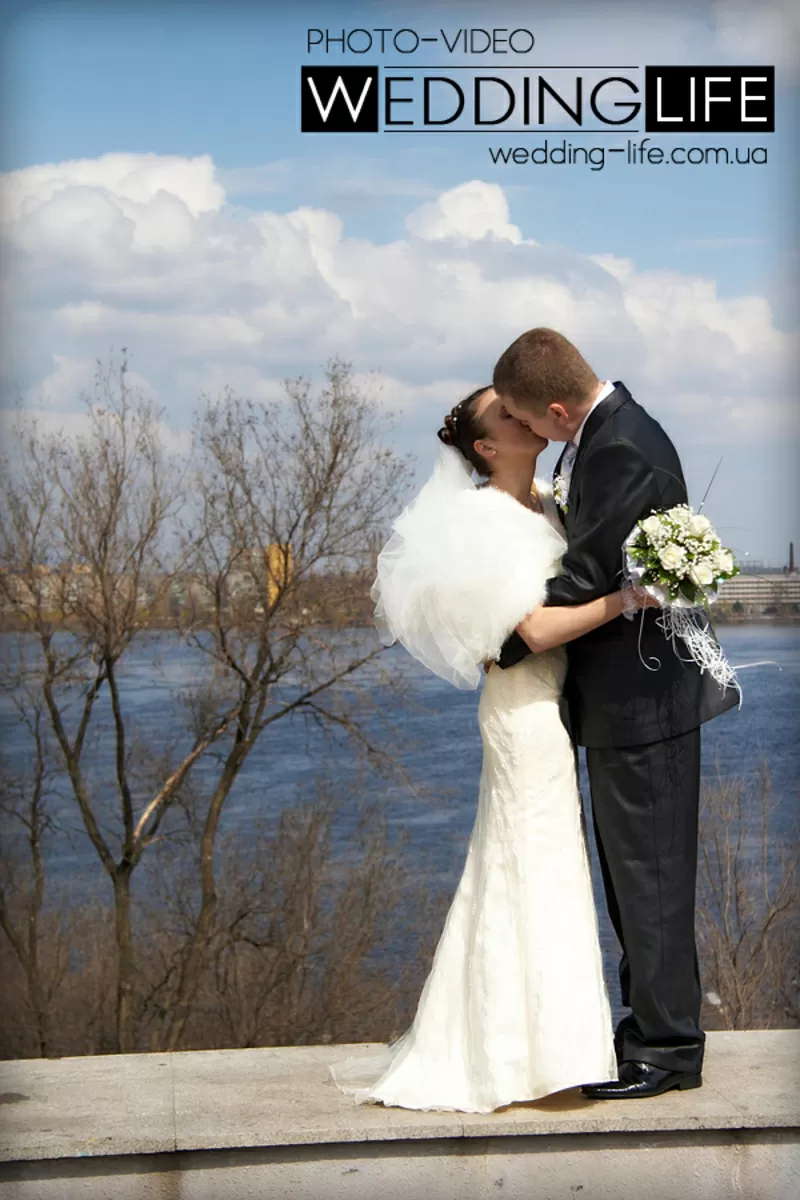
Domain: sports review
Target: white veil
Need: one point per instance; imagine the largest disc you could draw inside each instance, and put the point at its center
(463, 566)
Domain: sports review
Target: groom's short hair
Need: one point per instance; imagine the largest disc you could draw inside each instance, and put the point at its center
(542, 367)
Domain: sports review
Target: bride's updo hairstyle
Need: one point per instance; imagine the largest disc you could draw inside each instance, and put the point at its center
(462, 429)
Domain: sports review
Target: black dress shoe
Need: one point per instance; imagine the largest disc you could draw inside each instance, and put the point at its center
(641, 1079)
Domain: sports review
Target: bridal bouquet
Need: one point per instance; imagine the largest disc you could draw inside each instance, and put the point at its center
(677, 557)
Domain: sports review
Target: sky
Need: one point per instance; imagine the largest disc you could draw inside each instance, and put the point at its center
(156, 193)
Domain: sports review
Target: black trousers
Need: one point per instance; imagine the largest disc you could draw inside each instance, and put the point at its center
(645, 802)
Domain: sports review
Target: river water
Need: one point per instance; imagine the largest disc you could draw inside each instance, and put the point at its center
(436, 730)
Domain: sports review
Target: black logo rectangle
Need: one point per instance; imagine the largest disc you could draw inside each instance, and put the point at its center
(339, 99)
(710, 99)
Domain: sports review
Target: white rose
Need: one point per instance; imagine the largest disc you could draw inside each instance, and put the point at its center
(672, 557)
(699, 525)
(701, 574)
(652, 526)
(680, 515)
(723, 562)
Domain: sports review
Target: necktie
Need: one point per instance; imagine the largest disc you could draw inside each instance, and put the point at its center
(567, 463)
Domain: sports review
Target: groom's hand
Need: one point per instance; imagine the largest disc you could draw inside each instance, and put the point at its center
(488, 664)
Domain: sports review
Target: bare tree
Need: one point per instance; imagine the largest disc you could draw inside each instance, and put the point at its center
(314, 940)
(288, 494)
(99, 532)
(83, 533)
(26, 817)
(747, 909)
(324, 931)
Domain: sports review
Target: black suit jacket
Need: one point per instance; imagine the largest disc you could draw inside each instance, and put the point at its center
(626, 467)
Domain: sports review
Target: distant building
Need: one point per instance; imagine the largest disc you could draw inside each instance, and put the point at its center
(273, 567)
(762, 594)
(52, 591)
(786, 588)
(764, 591)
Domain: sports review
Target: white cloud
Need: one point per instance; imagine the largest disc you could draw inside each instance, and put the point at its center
(129, 178)
(427, 400)
(766, 412)
(685, 325)
(470, 212)
(77, 424)
(620, 268)
(61, 388)
(144, 252)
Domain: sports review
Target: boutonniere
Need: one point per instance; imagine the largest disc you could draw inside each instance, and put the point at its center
(561, 492)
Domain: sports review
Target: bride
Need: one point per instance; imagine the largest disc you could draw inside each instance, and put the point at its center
(515, 1006)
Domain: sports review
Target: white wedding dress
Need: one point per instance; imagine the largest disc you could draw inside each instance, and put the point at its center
(515, 1006)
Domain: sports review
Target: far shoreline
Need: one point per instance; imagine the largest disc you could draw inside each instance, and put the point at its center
(720, 619)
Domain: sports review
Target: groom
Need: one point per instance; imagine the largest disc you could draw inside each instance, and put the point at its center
(630, 700)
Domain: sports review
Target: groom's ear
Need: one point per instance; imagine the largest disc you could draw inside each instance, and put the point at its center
(559, 414)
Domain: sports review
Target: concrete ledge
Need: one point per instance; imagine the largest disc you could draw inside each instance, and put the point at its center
(272, 1119)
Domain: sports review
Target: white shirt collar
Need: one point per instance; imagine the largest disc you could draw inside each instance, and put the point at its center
(606, 390)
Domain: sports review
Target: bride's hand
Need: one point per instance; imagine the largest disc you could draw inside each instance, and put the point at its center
(644, 599)
(634, 599)
(488, 664)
